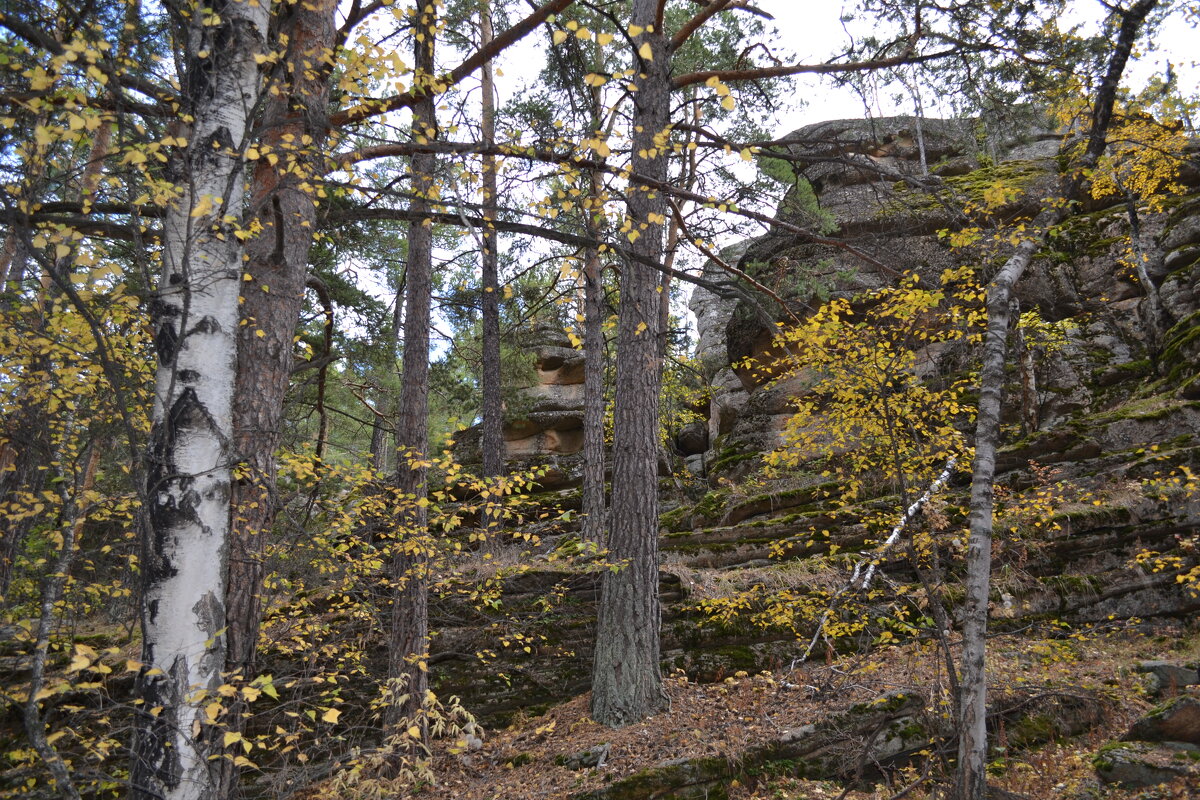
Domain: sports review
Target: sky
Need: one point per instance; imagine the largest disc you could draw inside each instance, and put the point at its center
(812, 28)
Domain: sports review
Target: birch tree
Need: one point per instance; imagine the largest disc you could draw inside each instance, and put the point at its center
(188, 466)
(972, 747)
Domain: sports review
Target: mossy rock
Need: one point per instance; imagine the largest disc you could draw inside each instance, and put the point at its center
(679, 779)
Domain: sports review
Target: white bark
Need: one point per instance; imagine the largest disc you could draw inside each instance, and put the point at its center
(972, 745)
(185, 535)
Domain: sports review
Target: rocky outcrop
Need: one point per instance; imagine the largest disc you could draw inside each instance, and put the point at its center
(1111, 417)
(891, 188)
(839, 746)
(543, 426)
(1162, 746)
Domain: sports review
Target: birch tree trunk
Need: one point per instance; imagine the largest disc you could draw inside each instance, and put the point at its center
(972, 747)
(492, 435)
(408, 643)
(185, 532)
(626, 676)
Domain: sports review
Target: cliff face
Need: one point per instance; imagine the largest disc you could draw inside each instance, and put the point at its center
(869, 176)
(1109, 412)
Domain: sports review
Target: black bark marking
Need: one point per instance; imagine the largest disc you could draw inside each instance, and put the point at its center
(172, 501)
(206, 325)
(214, 44)
(188, 376)
(166, 344)
(219, 142)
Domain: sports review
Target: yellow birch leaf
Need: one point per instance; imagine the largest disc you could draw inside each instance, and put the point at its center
(203, 207)
(604, 39)
(646, 52)
(728, 103)
(331, 716)
(559, 37)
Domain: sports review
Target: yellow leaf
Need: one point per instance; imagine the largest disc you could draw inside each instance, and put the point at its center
(331, 716)
(414, 732)
(559, 37)
(601, 148)
(646, 52)
(203, 207)
(636, 30)
(231, 737)
(728, 103)
(604, 39)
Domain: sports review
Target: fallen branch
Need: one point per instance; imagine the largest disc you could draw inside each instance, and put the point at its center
(873, 561)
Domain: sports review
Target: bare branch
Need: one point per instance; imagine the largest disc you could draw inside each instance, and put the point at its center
(458, 74)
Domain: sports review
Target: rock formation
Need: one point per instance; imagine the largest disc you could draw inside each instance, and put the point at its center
(543, 425)
(1113, 413)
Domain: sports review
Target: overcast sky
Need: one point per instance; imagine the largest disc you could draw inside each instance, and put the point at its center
(813, 30)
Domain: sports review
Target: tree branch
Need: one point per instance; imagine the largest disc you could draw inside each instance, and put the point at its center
(787, 70)
(694, 24)
(475, 61)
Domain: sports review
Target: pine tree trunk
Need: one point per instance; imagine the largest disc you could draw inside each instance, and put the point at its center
(593, 393)
(272, 298)
(408, 643)
(273, 295)
(626, 677)
(492, 435)
(185, 536)
(595, 520)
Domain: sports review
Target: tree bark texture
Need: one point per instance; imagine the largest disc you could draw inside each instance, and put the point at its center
(293, 128)
(595, 520)
(626, 677)
(295, 110)
(185, 531)
(972, 752)
(492, 435)
(593, 395)
(408, 644)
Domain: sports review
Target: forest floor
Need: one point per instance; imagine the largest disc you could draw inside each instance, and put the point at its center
(727, 719)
